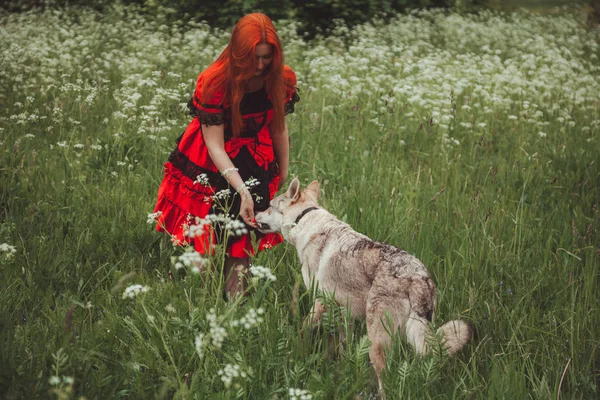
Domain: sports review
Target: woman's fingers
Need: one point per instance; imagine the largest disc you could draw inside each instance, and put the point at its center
(247, 211)
(250, 220)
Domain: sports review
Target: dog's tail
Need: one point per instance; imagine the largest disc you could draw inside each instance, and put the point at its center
(456, 334)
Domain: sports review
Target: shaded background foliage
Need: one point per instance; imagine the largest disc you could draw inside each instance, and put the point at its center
(314, 16)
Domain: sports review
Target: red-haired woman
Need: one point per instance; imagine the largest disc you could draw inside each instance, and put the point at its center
(238, 136)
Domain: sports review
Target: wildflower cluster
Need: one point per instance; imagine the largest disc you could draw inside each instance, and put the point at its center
(236, 227)
(221, 195)
(260, 272)
(153, 217)
(217, 333)
(56, 380)
(232, 225)
(202, 179)
(190, 259)
(250, 320)
(199, 344)
(8, 250)
(230, 372)
(252, 182)
(194, 230)
(134, 290)
(299, 394)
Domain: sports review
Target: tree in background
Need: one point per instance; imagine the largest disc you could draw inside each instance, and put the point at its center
(594, 13)
(314, 16)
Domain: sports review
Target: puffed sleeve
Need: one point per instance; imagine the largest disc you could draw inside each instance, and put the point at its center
(291, 94)
(208, 112)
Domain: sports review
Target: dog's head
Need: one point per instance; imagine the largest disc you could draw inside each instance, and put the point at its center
(285, 208)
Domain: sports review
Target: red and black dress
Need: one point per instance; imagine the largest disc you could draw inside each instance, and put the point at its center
(181, 197)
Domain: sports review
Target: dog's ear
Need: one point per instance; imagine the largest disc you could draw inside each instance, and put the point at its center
(293, 191)
(312, 190)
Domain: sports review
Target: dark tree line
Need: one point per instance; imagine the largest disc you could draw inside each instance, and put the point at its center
(314, 16)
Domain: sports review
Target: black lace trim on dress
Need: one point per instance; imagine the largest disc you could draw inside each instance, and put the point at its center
(191, 170)
(291, 104)
(206, 118)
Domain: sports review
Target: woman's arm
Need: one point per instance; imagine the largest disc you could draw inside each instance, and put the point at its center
(214, 137)
(281, 147)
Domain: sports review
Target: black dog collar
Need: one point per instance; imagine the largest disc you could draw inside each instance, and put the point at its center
(303, 213)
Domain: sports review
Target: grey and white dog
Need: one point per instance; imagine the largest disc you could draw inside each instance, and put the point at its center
(388, 286)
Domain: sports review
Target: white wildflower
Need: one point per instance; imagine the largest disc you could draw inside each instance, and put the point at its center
(260, 272)
(191, 259)
(251, 182)
(217, 332)
(134, 290)
(10, 250)
(153, 217)
(236, 227)
(299, 394)
(250, 320)
(222, 194)
(170, 309)
(193, 231)
(202, 179)
(198, 343)
(54, 380)
(542, 134)
(230, 372)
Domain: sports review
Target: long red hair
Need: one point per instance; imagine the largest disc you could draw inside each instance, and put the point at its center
(236, 65)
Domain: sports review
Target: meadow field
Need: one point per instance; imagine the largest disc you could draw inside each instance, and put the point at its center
(471, 141)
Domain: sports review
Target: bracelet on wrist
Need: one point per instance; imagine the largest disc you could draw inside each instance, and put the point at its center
(227, 171)
(243, 190)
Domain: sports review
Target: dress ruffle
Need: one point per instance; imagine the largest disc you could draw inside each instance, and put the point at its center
(180, 201)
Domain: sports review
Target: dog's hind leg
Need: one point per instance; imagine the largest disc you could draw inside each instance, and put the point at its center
(418, 333)
(315, 315)
(386, 312)
(317, 312)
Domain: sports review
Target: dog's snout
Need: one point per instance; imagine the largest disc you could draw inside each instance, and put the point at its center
(262, 226)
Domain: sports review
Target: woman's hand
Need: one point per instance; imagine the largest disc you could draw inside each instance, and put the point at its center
(247, 208)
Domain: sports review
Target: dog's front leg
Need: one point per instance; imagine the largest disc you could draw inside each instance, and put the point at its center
(317, 312)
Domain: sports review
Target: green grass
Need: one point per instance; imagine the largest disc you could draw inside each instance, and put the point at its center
(409, 132)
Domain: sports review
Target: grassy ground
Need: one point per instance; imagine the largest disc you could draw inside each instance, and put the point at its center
(469, 141)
